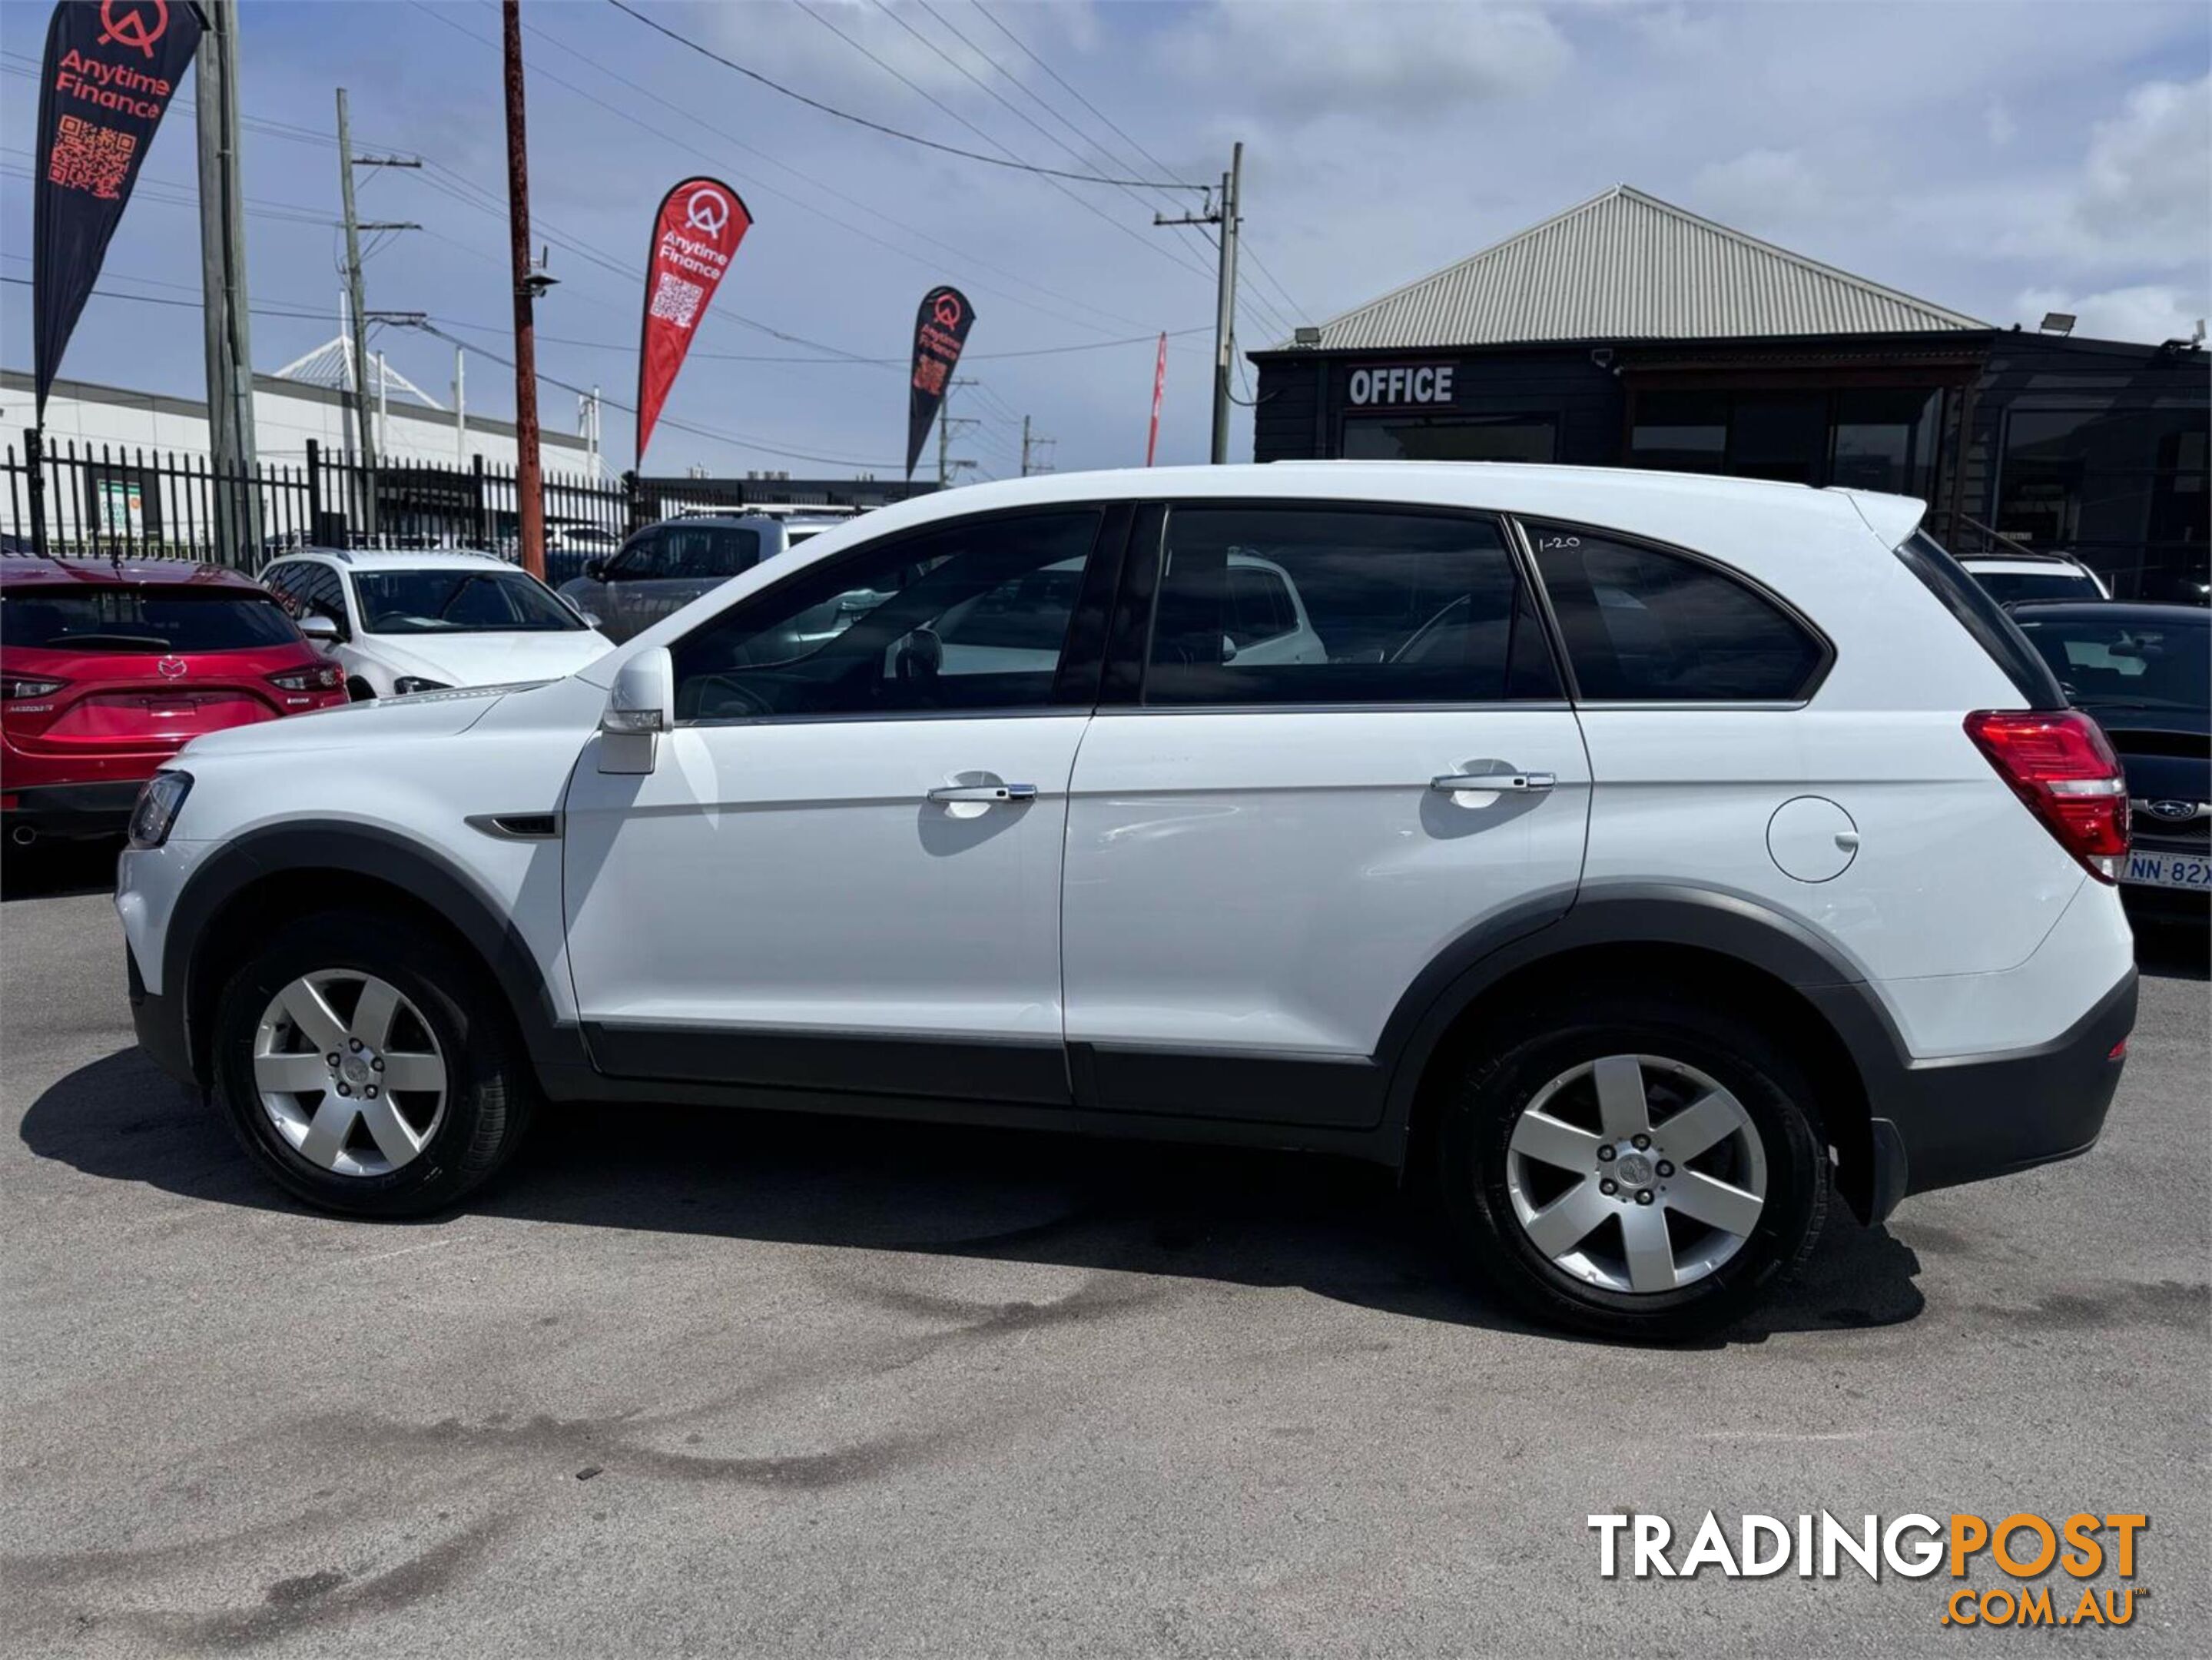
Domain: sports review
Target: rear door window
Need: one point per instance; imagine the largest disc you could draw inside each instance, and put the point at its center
(1641, 624)
(135, 619)
(1300, 604)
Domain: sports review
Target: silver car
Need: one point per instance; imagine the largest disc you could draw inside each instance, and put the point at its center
(666, 565)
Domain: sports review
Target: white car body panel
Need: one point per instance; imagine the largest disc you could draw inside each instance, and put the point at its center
(1274, 880)
(794, 875)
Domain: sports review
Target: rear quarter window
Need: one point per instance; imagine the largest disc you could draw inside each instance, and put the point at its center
(1983, 618)
(1643, 625)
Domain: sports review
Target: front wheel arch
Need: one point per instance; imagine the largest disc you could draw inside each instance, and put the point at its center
(260, 880)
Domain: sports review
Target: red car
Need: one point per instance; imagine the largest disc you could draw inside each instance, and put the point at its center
(108, 667)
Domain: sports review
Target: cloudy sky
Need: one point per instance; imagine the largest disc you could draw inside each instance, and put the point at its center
(2002, 159)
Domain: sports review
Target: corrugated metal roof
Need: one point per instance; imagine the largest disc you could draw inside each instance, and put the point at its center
(1626, 265)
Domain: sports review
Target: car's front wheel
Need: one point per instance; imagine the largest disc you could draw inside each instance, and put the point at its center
(367, 1066)
(1633, 1166)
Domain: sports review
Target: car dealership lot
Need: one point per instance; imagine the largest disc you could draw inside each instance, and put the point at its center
(690, 1383)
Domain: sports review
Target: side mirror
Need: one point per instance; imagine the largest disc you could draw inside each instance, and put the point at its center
(1228, 649)
(319, 629)
(595, 570)
(641, 706)
(591, 618)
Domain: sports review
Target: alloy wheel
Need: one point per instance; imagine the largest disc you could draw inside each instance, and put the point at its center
(1636, 1173)
(349, 1073)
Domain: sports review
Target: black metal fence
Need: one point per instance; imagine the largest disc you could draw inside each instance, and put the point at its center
(106, 500)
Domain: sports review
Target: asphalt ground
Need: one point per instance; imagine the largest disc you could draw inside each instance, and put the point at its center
(696, 1384)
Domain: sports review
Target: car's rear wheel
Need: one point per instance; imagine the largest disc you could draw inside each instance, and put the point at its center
(367, 1066)
(1633, 1166)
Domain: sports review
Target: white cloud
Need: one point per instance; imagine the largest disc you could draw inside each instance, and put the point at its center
(2149, 312)
(1392, 63)
(2148, 175)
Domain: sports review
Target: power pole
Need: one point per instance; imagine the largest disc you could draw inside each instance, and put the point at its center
(1030, 446)
(1224, 215)
(223, 297)
(946, 463)
(354, 226)
(528, 479)
(364, 441)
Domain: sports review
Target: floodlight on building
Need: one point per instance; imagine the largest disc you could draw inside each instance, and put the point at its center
(2057, 322)
(1306, 336)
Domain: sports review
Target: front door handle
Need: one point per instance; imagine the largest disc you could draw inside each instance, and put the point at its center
(1509, 782)
(985, 792)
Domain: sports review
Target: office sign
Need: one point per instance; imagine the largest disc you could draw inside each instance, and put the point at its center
(1401, 385)
(694, 236)
(111, 68)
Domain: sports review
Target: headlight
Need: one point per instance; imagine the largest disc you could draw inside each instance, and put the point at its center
(159, 802)
(408, 685)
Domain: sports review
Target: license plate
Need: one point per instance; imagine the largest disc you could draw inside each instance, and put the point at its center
(2168, 870)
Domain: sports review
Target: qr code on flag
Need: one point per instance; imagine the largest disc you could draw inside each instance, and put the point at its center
(677, 300)
(88, 157)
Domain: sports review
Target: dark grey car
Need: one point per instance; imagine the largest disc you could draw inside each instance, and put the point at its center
(666, 565)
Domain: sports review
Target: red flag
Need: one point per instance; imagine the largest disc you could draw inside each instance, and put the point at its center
(1159, 385)
(694, 236)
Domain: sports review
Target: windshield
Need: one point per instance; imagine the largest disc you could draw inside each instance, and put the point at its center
(491, 601)
(2108, 664)
(149, 619)
(2010, 588)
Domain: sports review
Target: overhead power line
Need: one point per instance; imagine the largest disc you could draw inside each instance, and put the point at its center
(889, 132)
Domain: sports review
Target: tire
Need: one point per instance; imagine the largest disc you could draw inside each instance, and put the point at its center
(418, 1151)
(1512, 1189)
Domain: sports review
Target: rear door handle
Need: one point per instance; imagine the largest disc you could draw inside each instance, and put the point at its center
(1521, 782)
(985, 792)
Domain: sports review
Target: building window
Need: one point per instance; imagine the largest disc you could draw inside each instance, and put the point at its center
(1870, 438)
(1885, 440)
(2110, 486)
(1450, 437)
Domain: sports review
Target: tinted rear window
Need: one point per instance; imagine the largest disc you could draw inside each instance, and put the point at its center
(2125, 664)
(1983, 618)
(1643, 625)
(129, 619)
(2010, 588)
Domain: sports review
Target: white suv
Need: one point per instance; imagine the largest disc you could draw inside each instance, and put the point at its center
(1643, 858)
(403, 622)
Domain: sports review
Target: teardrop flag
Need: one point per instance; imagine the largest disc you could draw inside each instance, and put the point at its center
(694, 236)
(940, 330)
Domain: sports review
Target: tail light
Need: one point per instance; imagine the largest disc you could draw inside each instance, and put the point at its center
(13, 686)
(2061, 766)
(323, 677)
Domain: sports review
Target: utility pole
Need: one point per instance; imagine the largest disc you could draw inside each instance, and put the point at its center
(364, 441)
(528, 489)
(222, 293)
(1224, 215)
(354, 226)
(460, 408)
(1030, 445)
(947, 466)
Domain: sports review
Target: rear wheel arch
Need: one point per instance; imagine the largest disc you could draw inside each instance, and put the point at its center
(1700, 945)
